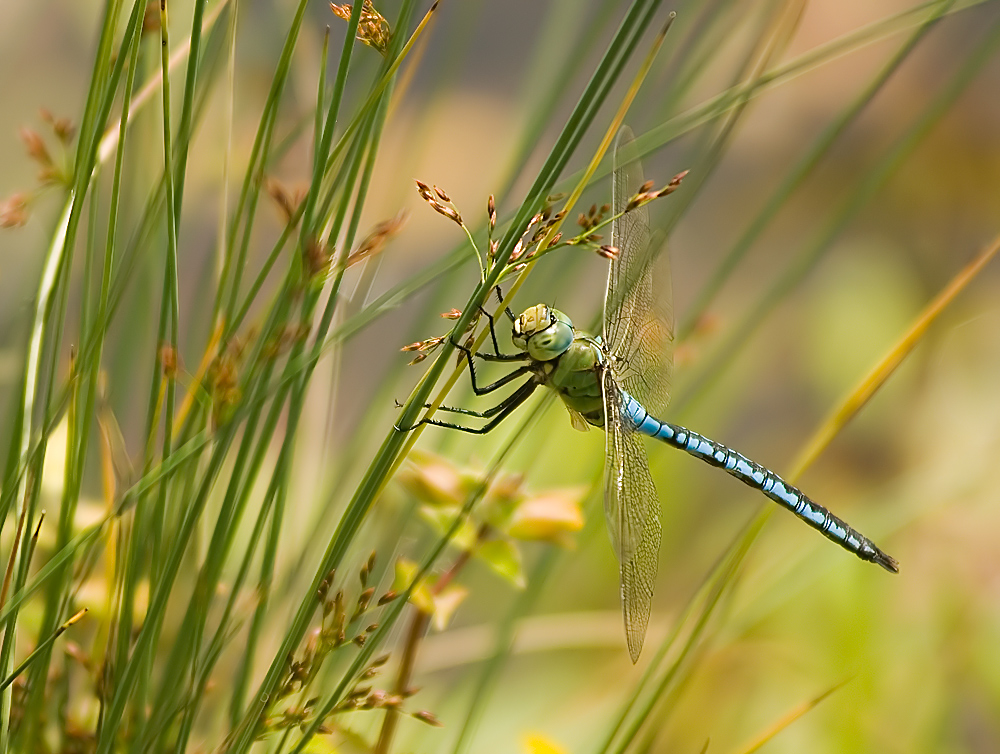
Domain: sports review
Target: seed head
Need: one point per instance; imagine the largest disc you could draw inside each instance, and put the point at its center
(439, 202)
(14, 211)
(674, 183)
(518, 249)
(36, 147)
(376, 240)
(63, 128)
(168, 360)
(288, 202)
(373, 29)
(317, 257)
(427, 717)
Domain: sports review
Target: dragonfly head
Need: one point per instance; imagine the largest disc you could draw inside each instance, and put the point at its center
(543, 332)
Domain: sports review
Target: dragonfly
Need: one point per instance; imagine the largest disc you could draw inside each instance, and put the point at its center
(620, 381)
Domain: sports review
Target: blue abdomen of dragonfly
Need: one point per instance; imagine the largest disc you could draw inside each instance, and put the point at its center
(756, 476)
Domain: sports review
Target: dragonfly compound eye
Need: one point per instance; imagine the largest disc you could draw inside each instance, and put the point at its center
(554, 338)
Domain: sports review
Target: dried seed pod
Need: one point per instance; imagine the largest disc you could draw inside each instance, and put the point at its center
(373, 29)
(377, 239)
(427, 717)
(386, 599)
(14, 211)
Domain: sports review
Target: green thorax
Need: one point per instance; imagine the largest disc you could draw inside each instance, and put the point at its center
(575, 376)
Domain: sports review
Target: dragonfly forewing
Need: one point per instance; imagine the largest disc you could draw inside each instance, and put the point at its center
(637, 307)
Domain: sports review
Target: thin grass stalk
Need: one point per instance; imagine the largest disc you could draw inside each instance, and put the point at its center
(217, 552)
(787, 719)
(378, 90)
(710, 109)
(548, 101)
(768, 45)
(369, 134)
(146, 641)
(870, 384)
(514, 230)
(490, 675)
(245, 668)
(25, 464)
(167, 354)
(184, 125)
(247, 464)
(661, 135)
(395, 608)
(659, 677)
(803, 169)
(384, 460)
(756, 525)
(246, 205)
(874, 180)
(255, 288)
(277, 491)
(162, 392)
(707, 33)
(43, 647)
(99, 330)
(306, 230)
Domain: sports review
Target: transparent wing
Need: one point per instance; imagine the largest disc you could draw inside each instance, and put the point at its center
(633, 512)
(638, 319)
(637, 336)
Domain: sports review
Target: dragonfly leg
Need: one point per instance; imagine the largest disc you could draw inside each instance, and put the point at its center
(496, 355)
(493, 329)
(491, 356)
(496, 414)
(507, 311)
(486, 389)
(464, 411)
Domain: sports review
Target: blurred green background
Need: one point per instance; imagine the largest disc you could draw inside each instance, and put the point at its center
(919, 653)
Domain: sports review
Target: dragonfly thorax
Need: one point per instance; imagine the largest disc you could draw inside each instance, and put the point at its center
(543, 332)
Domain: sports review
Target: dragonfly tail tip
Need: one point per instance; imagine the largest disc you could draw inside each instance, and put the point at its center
(887, 562)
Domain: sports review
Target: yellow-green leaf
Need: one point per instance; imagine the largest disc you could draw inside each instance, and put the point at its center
(550, 517)
(503, 557)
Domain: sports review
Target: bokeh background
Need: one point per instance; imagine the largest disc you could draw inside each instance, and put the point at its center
(760, 367)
